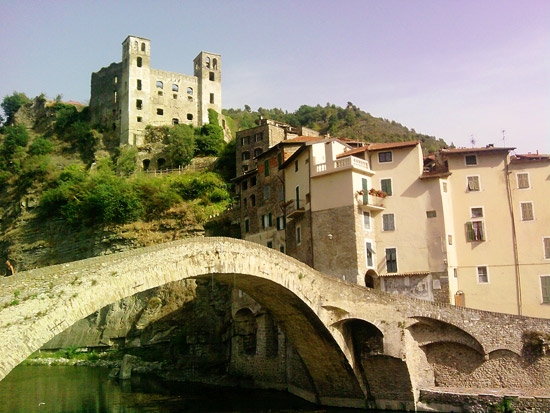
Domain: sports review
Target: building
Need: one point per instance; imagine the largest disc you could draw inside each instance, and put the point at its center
(129, 95)
(467, 226)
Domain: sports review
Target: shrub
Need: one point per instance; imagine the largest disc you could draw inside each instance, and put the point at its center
(196, 185)
(156, 195)
(41, 146)
(181, 144)
(11, 104)
(126, 160)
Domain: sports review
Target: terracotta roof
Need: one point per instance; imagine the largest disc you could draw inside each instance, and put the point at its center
(406, 274)
(352, 152)
(391, 145)
(457, 151)
(530, 157)
(300, 139)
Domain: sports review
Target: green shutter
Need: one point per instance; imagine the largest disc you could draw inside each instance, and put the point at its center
(386, 186)
(545, 284)
(365, 184)
(266, 167)
(469, 232)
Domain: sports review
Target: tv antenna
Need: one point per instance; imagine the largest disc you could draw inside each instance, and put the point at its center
(472, 141)
(503, 138)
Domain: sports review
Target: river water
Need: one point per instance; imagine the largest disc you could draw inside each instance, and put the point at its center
(87, 389)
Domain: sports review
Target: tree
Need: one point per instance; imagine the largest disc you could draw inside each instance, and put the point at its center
(181, 144)
(126, 161)
(11, 104)
(210, 141)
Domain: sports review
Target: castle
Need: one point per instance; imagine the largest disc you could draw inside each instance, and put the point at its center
(128, 95)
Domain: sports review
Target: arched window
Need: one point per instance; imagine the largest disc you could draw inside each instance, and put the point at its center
(175, 88)
(208, 62)
(146, 163)
(143, 47)
(160, 85)
(245, 156)
(215, 64)
(139, 62)
(161, 162)
(190, 91)
(135, 44)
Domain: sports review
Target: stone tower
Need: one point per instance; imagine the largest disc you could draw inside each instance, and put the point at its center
(208, 73)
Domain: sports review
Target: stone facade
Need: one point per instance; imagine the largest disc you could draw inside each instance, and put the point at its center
(127, 96)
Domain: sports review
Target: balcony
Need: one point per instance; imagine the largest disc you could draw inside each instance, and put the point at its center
(371, 202)
(349, 162)
(292, 210)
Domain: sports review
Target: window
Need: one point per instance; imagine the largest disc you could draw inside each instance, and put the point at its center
(269, 244)
(474, 231)
(175, 96)
(115, 96)
(281, 222)
(160, 111)
(245, 156)
(115, 80)
(252, 200)
(384, 157)
(470, 160)
(208, 62)
(270, 219)
(244, 185)
(482, 275)
(160, 93)
(523, 180)
(527, 213)
(139, 104)
(546, 245)
(370, 254)
(211, 98)
(266, 192)
(159, 84)
(391, 260)
(444, 186)
(545, 287)
(246, 225)
(386, 186)
(175, 121)
(139, 62)
(365, 187)
(189, 116)
(190, 91)
(175, 88)
(450, 239)
(139, 119)
(245, 140)
(473, 183)
(143, 47)
(388, 222)
(139, 84)
(211, 76)
(279, 159)
(266, 167)
(282, 248)
(366, 220)
(259, 137)
(431, 214)
(298, 235)
(296, 166)
(253, 181)
(265, 221)
(245, 203)
(297, 197)
(257, 152)
(215, 64)
(281, 194)
(477, 212)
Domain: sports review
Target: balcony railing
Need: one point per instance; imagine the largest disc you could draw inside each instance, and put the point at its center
(295, 209)
(349, 162)
(371, 202)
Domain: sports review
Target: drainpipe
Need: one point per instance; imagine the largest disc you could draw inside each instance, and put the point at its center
(514, 235)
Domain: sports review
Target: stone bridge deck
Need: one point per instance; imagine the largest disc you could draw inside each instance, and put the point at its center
(315, 311)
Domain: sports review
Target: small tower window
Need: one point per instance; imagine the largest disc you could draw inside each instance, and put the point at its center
(146, 163)
(139, 84)
(190, 91)
(115, 96)
(175, 88)
(160, 111)
(139, 61)
(215, 64)
(175, 96)
(115, 80)
(160, 93)
(135, 44)
(211, 98)
(139, 118)
(208, 62)
(139, 104)
(143, 47)
(189, 116)
(175, 121)
(211, 76)
(160, 85)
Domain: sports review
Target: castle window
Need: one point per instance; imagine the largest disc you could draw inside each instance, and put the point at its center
(175, 121)
(211, 76)
(208, 62)
(146, 163)
(135, 44)
(139, 119)
(175, 96)
(245, 156)
(143, 47)
(115, 80)
(139, 61)
(189, 116)
(115, 96)
(160, 111)
(160, 85)
(253, 200)
(139, 104)
(211, 98)
(215, 64)
(175, 88)
(139, 84)
(257, 152)
(190, 98)
(190, 91)
(160, 93)
(160, 162)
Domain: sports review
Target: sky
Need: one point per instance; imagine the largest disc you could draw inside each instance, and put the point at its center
(460, 70)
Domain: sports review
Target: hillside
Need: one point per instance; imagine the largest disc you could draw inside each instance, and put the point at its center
(351, 122)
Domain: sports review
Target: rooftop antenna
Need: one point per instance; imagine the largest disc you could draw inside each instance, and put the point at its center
(472, 141)
(503, 138)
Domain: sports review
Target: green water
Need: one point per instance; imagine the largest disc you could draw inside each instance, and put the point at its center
(86, 389)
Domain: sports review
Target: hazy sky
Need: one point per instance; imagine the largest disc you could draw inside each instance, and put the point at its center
(451, 69)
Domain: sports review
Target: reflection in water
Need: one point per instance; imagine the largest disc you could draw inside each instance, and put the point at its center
(86, 389)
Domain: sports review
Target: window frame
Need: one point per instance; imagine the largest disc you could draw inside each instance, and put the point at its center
(247, 226)
(387, 260)
(298, 235)
(478, 183)
(470, 156)
(367, 223)
(532, 211)
(382, 157)
(546, 257)
(267, 192)
(470, 229)
(383, 222)
(390, 193)
(543, 300)
(368, 245)
(478, 267)
(528, 180)
(266, 167)
(477, 216)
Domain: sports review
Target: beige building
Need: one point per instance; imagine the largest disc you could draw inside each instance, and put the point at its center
(465, 226)
(129, 95)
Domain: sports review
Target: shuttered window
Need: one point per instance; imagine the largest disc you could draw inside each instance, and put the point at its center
(474, 231)
(546, 243)
(386, 186)
(482, 275)
(365, 187)
(388, 222)
(391, 260)
(527, 211)
(545, 286)
(523, 180)
(370, 253)
(473, 183)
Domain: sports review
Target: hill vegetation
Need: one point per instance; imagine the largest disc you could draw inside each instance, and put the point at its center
(350, 122)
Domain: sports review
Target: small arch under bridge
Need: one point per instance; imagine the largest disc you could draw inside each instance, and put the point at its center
(350, 338)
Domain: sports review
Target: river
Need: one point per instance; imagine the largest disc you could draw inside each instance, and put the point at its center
(87, 389)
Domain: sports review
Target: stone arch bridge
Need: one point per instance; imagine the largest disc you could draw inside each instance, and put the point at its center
(359, 345)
